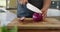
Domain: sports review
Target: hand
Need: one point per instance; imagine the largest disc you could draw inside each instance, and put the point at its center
(44, 13)
(23, 1)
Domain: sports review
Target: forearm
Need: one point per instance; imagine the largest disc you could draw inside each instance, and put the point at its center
(46, 4)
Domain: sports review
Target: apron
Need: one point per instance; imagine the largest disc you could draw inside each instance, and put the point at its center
(37, 3)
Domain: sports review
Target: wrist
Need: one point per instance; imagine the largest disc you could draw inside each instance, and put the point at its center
(43, 10)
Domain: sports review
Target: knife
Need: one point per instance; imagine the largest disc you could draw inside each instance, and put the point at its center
(33, 8)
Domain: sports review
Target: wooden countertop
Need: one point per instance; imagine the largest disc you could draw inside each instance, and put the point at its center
(49, 23)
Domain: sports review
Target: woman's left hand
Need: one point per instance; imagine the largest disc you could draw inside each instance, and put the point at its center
(44, 13)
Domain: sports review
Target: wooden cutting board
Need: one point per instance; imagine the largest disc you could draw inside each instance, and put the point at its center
(28, 22)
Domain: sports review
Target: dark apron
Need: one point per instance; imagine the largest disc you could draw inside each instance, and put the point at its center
(37, 3)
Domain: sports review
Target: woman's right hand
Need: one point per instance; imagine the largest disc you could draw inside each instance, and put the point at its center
(23, 2)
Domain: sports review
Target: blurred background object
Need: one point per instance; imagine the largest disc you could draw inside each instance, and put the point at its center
(6, 16)
(3, 3)
(55, 4)
(12, 4)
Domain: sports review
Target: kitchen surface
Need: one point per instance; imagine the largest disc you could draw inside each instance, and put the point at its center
(52, 16)
(52, 21)
(48, 25)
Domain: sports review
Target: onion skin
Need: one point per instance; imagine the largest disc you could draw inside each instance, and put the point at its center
(37, 17)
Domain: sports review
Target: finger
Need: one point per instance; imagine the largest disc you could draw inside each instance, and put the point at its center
(44, 13)
(44, 17)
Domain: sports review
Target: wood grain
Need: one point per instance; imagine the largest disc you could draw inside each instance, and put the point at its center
(49, 23)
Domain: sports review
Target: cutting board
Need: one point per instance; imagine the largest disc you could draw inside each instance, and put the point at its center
(28, 22)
